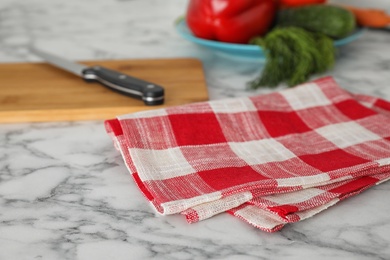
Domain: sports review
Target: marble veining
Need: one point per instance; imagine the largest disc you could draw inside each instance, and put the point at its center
(66, 194)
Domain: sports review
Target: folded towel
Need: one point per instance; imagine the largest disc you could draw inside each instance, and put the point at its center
(268, 159)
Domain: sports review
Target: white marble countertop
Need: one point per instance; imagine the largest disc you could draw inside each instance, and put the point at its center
(66, 194)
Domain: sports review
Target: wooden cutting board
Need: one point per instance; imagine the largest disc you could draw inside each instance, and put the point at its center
(38, 92)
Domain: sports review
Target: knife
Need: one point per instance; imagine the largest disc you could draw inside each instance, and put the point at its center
(151, 94)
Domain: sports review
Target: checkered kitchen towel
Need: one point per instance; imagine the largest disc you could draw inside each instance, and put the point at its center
(269, 159)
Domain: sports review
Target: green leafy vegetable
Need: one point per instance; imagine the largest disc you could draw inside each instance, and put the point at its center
(293, 54)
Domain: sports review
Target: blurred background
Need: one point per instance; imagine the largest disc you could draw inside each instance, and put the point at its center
(126, 29)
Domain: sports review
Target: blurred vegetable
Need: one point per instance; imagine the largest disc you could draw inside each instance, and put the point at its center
(293, 54)
(295, 3)
(375, 18)
(333, 21)
(234, 21)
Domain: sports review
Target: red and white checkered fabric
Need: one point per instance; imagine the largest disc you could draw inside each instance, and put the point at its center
(269, 159)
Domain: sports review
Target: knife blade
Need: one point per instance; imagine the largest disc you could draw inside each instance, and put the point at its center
(150, 93)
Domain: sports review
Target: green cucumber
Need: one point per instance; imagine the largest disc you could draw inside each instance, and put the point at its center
(333, 21)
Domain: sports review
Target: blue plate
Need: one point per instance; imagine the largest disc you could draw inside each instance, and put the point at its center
(244, 50)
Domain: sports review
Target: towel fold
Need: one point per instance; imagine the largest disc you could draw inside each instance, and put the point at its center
(268, 159)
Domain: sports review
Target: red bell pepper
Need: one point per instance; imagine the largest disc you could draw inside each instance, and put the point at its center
(234, 21)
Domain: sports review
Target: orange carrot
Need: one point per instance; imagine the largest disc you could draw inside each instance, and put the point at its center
(376, 18)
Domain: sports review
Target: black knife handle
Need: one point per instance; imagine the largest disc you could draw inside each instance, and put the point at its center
(150, 93)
